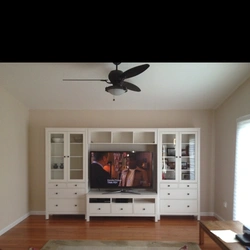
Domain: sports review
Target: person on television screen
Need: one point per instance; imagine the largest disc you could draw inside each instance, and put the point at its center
(108, 167)
(98, 175)
(135, 175)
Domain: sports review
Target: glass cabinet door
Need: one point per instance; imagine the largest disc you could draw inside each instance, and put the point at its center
(57, 171)
(76, 149)
(169, 166)
(188, 156)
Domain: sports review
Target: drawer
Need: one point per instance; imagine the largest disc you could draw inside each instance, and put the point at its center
(188, 185)
(66, 193)
(140, 208)
(168, 185)
(57, 185)
(76, 185)
(122, 208)
(178, 207)
(99, 208)
(178, 194)
(66, 205)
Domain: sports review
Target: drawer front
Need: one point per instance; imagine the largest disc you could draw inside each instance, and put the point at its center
(67, 205)
(99, 208)
(144, 208)
(178, 194)
(75, 185)
(188, 185)
(182, 206)
(57, 185)
(66, 193)
(121, 208)
(168, 185)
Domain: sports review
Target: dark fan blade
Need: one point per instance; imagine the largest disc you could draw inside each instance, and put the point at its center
(131, 86)
(133, 71)
(88, 80)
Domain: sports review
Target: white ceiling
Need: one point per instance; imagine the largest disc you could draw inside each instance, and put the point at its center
(163, 85)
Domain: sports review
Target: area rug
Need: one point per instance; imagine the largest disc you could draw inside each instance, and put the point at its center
(118, 244)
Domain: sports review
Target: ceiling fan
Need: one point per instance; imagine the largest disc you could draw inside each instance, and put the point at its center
(117, 79)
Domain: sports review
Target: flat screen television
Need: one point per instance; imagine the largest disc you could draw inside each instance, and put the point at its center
(121, 170)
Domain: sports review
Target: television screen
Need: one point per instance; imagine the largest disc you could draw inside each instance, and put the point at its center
(121, 169)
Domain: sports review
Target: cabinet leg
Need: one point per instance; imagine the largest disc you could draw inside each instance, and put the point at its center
(201, 236)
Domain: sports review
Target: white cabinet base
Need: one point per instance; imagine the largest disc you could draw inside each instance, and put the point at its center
(121, 204)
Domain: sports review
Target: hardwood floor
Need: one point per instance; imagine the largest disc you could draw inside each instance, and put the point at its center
(35, 231)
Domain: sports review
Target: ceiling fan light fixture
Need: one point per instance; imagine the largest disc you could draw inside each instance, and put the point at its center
(116, 90)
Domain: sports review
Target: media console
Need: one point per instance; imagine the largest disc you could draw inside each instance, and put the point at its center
(122, 204)
(175, 175)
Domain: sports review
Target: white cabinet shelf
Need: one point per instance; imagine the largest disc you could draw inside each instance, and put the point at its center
(135, 136)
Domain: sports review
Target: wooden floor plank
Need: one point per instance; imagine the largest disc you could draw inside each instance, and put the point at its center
(35, 230)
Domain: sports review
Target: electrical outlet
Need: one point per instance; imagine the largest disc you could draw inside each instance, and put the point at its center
(225, 204)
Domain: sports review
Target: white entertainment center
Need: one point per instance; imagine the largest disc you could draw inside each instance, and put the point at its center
(175, 182)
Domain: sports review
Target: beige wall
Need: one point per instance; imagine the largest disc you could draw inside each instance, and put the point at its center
(234, 107)
(39, 120)
(14, 119)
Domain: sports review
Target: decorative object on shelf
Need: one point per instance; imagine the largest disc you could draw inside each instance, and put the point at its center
(184, 165)
(164, 150)
(77, 139)
(171, 151)
(55, 166)
(61, 166)
(57, 140)
(183, 152)
(171, 165)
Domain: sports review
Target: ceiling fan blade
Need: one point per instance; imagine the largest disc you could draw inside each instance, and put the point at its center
(134, 71)
(131, 86)
(88, 80)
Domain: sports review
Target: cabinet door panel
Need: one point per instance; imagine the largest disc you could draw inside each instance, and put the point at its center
(76, 156)
(66, 193)
(57, 185)
(99, 208)
(188, 155)
(144, 208)
(75, 185)
(66, 205)
(168, 185)
(56, 156)
(178, 194)
(121, 208)
(178, 206)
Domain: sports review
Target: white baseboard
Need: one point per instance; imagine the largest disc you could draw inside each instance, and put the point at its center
(4, 230)
(207, 214)
(37, 212)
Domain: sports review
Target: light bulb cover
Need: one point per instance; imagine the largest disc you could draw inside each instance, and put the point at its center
(116, 90)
